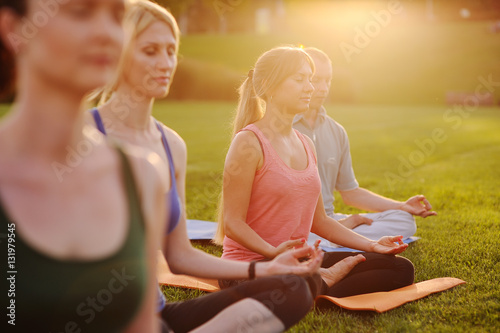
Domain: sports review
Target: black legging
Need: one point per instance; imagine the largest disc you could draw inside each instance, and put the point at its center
(380, 272)
(287, 296)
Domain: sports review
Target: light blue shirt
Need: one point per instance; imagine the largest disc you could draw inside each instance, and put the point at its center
(334, 156)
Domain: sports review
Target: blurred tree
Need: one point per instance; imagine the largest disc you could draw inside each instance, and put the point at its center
(176, 7)
(193, 16)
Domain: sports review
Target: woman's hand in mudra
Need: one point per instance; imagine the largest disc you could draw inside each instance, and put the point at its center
(389, 245)
(289, 262)
(288, 245)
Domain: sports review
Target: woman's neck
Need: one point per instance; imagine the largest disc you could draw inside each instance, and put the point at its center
(131, 111)
(46, 121)
(277, 120)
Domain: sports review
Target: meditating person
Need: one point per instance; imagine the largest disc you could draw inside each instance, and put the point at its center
(336, 172)
(146, 71)
(272, 192)
(83, 220)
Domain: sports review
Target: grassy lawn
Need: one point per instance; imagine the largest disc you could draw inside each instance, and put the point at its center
(394, 154)
(460, 175)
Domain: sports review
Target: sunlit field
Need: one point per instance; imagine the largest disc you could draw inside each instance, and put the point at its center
(395, 154)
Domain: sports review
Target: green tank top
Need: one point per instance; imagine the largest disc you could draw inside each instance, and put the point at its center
(78, 296)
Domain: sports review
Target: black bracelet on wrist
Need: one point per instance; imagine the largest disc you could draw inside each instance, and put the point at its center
(251, 270)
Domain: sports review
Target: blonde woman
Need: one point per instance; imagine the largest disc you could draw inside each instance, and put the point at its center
(146, 71)
(271, 194)
(82, 223)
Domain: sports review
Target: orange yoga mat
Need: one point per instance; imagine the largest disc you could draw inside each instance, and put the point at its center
(165, 276)
(379, 302)
(388, 300)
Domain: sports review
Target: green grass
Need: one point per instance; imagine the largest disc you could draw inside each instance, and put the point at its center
(461, 178)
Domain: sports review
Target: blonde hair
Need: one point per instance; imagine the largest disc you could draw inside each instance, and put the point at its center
(270, 70)
(139, 16)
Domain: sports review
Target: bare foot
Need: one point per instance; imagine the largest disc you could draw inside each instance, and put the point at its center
(338, 271)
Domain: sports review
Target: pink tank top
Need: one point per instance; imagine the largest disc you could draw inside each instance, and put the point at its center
(282, 202)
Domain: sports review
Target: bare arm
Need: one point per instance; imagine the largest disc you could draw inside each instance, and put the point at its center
(239, 173)
(328, 228)
(187, 260)
(364, 199)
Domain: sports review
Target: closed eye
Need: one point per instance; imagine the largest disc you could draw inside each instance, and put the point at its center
(150, 51)
(171, 51)
(80, 10)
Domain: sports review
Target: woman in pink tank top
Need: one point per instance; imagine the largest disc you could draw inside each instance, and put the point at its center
(272, 192)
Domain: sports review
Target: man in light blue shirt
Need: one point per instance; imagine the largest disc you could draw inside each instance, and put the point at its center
(391, 217)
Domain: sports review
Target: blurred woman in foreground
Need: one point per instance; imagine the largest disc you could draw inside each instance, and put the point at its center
(85, 223)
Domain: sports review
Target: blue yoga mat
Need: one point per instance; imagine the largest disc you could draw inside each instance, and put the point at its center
(199, 230)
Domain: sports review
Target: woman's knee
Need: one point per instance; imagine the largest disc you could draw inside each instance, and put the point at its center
(406, 271)
(301, 289)
(294, 290)
(293, 301)
(401, 270)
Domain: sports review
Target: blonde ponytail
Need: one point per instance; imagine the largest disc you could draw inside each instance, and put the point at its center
(220, 234)
(270, 70)
(249, 108)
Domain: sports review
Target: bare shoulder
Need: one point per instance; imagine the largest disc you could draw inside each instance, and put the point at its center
(177, 146)
(174, 139)
(246, 148)
(246, 139)
(148, 168)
